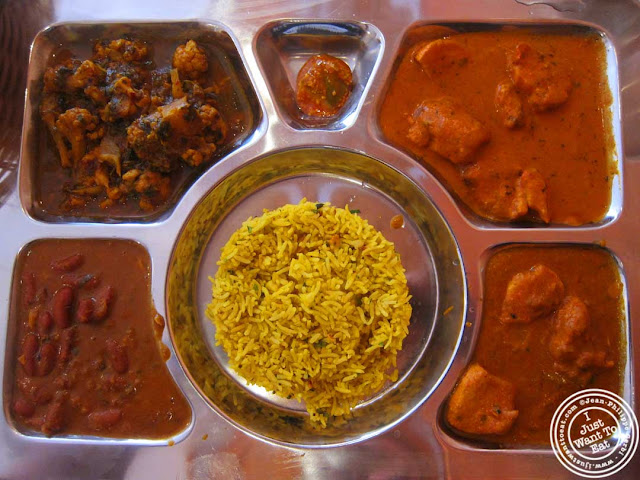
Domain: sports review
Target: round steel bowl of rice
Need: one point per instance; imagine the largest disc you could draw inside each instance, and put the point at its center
(311, 302)
(315, 297)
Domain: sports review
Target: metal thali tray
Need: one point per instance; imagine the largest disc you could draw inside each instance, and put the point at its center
(266, 43)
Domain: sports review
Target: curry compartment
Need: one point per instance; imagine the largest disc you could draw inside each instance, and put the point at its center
(558, 312)
(84, 358)
(519, 132)
(117, 191)
(283, 47)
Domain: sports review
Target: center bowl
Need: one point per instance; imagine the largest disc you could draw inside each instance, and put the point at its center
(428, 252)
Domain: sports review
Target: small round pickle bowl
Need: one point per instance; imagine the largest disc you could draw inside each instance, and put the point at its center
(428, 252)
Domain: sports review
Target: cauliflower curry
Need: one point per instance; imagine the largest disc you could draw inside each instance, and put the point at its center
(124, 130)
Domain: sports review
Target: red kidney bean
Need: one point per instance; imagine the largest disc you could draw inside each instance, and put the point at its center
(30, 347)
(72, 279)
(44, 322)
(76, 280)
(61, 306)
(84, 310)
(47, 360)
(55, 418)
(103, 301)
(26, 386)
(102, 419)
(43, 395)
(24, 407)
(68, 339)
(41, 295)
(28, 288)
(114, 382)
(68, 264)
(117, 355)
(92, 282)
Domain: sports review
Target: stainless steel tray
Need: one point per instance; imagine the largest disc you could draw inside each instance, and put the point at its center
(416, 448)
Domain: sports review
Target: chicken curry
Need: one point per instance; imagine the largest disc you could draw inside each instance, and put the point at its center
(516, 124)
(552, 324)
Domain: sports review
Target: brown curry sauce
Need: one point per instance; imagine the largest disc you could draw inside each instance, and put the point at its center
(88, 355)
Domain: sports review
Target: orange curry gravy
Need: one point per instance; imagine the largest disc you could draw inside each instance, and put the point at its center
(88, 356)
(570, 145)
(519, 353)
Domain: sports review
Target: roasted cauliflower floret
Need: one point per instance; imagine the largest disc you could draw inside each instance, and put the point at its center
(121, 50)
(74, 125)
(177, 130)
(190, 60)
(154, 188)
(199, 152)
(160, 88)
(150, 181)
(56, 78)
(87, 74)
(145, 137)
(213, 121)
(49, 111)
(125, 100)
(107, 153)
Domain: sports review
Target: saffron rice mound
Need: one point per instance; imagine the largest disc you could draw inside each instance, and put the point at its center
(311, 302)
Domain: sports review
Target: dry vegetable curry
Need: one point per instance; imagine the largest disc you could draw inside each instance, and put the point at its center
(516, 124)
(552, 324)
(127, 133)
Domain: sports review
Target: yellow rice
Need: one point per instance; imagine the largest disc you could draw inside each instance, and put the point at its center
(311, 302)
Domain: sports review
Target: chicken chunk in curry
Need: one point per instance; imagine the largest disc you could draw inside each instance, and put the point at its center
(509, 105)
(539, 77)
(446, 128)
(570, 345)
(532, 295)
(530, 195)
(482, 403)
(123, 128)
(440, 55)
(191, 61)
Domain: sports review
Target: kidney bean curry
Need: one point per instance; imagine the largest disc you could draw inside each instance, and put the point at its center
(552, 324)
(516, 124)
(88, 355)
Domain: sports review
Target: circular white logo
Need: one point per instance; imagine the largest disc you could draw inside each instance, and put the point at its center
(594, 433)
